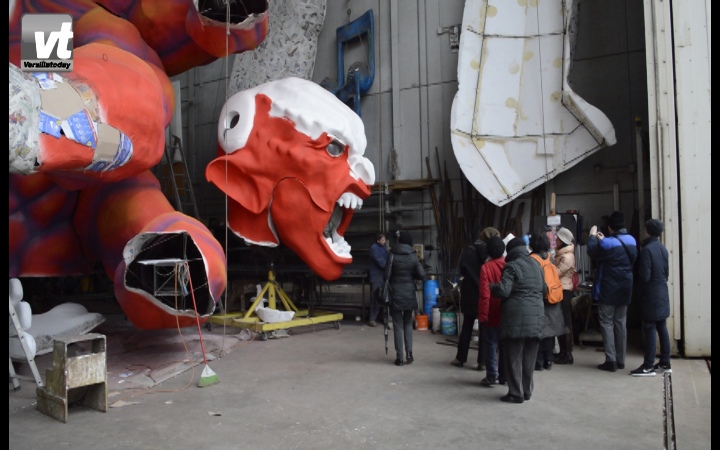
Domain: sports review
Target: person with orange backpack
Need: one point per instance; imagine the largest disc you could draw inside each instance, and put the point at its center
(554, 320)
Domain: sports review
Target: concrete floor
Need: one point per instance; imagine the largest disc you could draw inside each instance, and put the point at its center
(322, 388)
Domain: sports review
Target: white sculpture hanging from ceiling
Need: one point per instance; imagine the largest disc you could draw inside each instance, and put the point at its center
(515, 121)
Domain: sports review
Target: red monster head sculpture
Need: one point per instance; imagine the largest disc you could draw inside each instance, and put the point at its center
(294, 170)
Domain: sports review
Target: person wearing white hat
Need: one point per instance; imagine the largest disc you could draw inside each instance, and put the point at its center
(565, 263)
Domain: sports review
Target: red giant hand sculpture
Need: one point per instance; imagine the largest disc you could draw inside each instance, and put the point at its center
(75, 198)
(291, 158)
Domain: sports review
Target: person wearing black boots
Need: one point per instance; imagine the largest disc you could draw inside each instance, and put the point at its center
(471, 260)
(565, 263)
(378, 258)
(402, 272)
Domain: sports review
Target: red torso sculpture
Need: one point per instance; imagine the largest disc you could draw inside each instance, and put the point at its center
(69, 208)
(290, 159)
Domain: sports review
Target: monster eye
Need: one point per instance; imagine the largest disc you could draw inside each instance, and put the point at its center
(335, 148)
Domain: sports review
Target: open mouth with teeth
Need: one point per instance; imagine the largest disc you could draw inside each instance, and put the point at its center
(340, 218)
(294, 171)
(313, 226)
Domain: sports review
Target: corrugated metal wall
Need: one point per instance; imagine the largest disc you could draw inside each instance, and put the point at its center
(406, 117)
(680, 143)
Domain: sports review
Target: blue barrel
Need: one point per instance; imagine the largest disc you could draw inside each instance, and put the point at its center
(431, 291)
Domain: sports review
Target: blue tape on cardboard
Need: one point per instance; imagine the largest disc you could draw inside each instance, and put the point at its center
(80, 128)
(124, 153)
(49, 124)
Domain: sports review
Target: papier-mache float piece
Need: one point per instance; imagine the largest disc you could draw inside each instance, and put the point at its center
(515, 121)
(71, 319)
(82, 143)
(293, 170)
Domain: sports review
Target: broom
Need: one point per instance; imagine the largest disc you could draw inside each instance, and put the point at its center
(208, 377)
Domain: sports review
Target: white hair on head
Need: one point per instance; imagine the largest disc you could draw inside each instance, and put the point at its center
(313, 109)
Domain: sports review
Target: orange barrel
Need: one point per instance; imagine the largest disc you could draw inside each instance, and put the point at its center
(421, 322)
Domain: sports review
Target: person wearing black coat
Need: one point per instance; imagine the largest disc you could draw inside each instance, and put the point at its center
(471, 259)
(378, 257)
(521, 291)
(402, 272)
(653, 297)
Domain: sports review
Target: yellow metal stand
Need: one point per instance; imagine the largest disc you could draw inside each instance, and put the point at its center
(250, 320)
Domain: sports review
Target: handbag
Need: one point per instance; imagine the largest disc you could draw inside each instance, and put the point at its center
(384, 297)
(575, 281)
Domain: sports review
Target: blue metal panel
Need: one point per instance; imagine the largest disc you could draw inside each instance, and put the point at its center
(360, 76)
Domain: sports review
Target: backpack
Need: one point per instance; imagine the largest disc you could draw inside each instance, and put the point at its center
(552, 279)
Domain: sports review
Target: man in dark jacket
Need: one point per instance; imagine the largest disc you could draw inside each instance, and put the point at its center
(402, 271)
(615, 256)
(521, 290)
(471, 259)
(652, 270)
(378, 257)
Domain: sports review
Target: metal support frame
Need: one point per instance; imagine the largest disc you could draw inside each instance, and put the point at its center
(249, 319)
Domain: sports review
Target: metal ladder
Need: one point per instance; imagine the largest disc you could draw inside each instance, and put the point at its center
(20, 334)
(175, 179)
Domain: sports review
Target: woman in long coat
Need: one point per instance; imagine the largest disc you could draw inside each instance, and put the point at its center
(404, 269)
(652, 269)
(521, 291)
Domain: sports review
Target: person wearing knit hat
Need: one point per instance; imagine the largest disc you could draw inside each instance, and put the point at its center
(489, 314)
(654, 227)
(616, 220)
(522, 290)
(495, 247)
(405, 238)
(401, 272)
(472, 259)
(565, 262)
(614, 256)
(653, 298)
(514, 243)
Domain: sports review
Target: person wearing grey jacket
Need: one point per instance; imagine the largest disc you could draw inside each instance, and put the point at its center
(404, 269)
(521, 290)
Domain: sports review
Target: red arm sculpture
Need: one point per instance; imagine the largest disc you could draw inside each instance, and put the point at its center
(71, 201)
